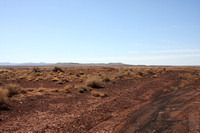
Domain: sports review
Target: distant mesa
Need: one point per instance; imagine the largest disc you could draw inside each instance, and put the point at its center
(90, 64)
(23, 64)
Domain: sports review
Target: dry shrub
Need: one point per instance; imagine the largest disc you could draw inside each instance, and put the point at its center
(93, 82)
(30, 90)
(155, 76)
(68, 87)
(3, 95)
(38, 78)
(60, 82)
(23, 91)
(41, 89)
(36, 70)
(188, 76)
(150, 72)
(166, 90)
(187, 79)
(118, 76)
(170, 90)
(106, 80)
(81, 73)
(98, 94)
(55, 90)
(82, 88)
(174, 89)
(164, 70)
(29, 78)
(141, 74)
(183, 83)
(57, 69)
(13, 89)
(55, 79)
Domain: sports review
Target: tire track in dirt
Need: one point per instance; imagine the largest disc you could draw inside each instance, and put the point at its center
(163, 114)
(136, 96)
(92, 114)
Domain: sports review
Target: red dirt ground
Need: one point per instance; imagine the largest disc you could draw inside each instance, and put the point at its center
(132, 105)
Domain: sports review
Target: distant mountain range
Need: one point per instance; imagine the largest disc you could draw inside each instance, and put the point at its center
(61, 64)
(23, 64)
(90, 64)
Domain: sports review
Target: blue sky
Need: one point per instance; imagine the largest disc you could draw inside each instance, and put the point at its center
(149, 32)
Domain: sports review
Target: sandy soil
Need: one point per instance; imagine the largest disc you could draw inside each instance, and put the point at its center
(132, 105)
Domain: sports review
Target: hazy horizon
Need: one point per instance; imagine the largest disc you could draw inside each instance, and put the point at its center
(136, 32)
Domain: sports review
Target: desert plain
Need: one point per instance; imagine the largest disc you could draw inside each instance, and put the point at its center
(100, 99)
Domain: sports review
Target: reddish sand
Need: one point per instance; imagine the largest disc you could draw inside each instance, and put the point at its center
(131, 105)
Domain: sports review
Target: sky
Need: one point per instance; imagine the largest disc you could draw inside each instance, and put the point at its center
(138, 32)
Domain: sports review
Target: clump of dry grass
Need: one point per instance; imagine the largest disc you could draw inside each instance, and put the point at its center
(36, 69)
(57, 69)
(174, 89)
(94, 82)
(183, 83)
(60, 82)
(82, 88)
(106, 80)
(3, 95)
(98, 94)
(170, 90)
(68, 87)
(29, 78)
(150, 72)
(140, 74)
(13, 89)
(166, 90)
(23, 91)
(41, 89)
(55, 90)
(164, 70)
(187, 79)
(38, 78)
(55, 79)
(155, 76)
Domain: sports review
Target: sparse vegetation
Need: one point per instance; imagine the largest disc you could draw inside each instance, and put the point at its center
(106, 80)
(98, 94)
(41, 89)
(55, 79)
(68, 87)
(60, 82)
(141, 74)
(93, 82)
(36, 69)
(55, 90)
(86, 81)
(57, 69)
(81, 88)
(3, 96)
(155, 76)
(13, 89)
(183, 83)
